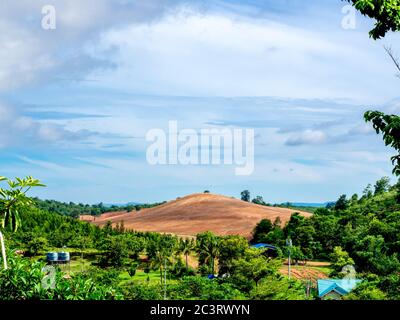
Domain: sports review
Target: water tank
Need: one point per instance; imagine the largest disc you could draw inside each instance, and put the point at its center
(52, 256)
(63, 256)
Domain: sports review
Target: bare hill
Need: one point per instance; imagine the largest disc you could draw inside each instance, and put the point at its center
(198, 213)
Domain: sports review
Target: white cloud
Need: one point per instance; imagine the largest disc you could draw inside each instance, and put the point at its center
(16, 129)
(30, 54)
(192, 54)
(307, 137)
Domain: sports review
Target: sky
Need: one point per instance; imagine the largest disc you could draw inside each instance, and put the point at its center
(77, 101)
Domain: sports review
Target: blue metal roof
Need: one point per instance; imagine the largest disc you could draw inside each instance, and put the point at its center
(342, 286)
(263, 245)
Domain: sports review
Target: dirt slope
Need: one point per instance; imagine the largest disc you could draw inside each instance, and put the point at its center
(198, 213)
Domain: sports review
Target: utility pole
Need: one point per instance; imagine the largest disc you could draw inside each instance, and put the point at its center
(165, 278)
(289, 245)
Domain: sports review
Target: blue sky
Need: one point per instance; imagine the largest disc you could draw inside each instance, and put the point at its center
(76, 102)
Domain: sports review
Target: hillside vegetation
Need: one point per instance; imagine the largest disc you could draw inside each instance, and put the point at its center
(197, 213)
(362, 231)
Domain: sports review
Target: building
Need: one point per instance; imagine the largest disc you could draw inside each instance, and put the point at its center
(263, 245)
(335, 289)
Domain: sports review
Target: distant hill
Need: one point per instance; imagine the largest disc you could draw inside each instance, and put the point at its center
(110, 205)
(198, 213)
(307, 204)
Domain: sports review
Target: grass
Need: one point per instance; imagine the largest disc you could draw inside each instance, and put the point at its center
(141, 276)
(78, 264)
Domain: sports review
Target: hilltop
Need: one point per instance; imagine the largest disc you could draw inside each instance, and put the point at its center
(197, 213)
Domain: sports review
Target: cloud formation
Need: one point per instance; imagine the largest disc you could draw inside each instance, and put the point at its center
(18, 130)
(307, 137)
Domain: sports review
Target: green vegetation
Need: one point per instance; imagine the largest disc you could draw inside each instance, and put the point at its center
(384, 12)
(113, 263)
(75, 210)
(362, 232)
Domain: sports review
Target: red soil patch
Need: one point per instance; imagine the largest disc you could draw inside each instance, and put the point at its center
(304, 273)
(198, 213)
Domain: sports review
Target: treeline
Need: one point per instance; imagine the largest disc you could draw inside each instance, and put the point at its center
(246, 196)
(361, 231)
(240, 272)
(76, 209)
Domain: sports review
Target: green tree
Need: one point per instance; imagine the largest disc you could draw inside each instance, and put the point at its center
(115, 251)
(389, 126)
(382, 185)
(187, 246)
(245, 195)
(342, 203)
(277, 287)
(12, 200)
(231, 249)
(261, 230)
(248, 271)
(259, 200)
(340, 258)
(367, 193)
(36, 245)
(207, 246)
(384, 12)
(387, 16)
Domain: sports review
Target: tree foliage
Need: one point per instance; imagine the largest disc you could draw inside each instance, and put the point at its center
(389, 126)
(384, 12)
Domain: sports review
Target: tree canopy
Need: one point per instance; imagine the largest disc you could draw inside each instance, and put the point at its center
(386, 13)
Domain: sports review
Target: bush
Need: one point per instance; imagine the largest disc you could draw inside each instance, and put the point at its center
(24, 281)
(202, 288)
(139, 291)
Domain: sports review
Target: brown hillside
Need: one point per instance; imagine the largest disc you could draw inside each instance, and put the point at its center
(198, 213)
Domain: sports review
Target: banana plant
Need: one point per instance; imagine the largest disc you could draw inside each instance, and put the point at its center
(13, 199)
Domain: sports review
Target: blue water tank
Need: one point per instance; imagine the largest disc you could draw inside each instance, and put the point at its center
(63, 256)
(52, 256)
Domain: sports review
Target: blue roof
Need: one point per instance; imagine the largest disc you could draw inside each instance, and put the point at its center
(342, 286)
(263, 245)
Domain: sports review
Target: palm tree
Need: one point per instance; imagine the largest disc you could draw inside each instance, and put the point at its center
(208, 248)
(186, 247)
(12, 200)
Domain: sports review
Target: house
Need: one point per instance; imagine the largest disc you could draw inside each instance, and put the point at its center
(270, 250)
(335, 289)
(263, 245)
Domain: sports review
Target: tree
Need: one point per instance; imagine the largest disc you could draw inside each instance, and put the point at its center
(385, 12)
(367, 193)
(382, 185)
(160, 250)
(387, 16)
(231, 248)
(186, 247)
(36, 245)
(340, 258)
(259, 200)
(342, 203)
(247, 271)
(208, 249)
(261, 230)
(245, 195)
(115, 251)
(389, 126)
(132, 269)
(12, 200)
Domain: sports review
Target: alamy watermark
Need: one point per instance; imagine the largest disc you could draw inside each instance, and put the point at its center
(349, 20)
(49, 19)
(216, 146)
(49, 278)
